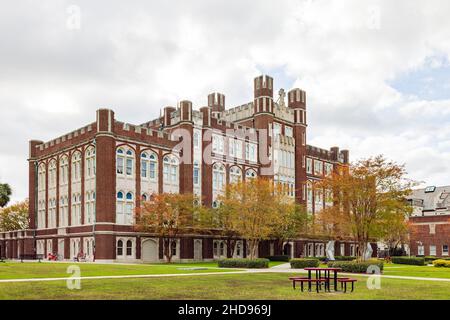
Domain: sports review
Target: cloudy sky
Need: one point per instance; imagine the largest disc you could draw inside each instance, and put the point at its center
(377, 73)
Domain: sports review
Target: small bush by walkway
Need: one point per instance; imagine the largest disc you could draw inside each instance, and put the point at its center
(244, 263)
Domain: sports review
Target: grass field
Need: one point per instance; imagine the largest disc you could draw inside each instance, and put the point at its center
(224, 285)
(416, 271)
(17, 270)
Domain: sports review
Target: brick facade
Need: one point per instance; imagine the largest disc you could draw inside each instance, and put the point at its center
(272, 140)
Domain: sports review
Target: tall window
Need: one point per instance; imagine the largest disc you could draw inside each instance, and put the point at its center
(120, 158)
(217, 144)
(235, 174)
(308, 165)
(288, 131)
(170, 170)
(63, 212)
(129, 248)
(250, 151)
(196, 173)
(41, 177)
(124, 162)
(63, 171)
(328, 168)
(52, 174)
(76, 167)
(318, 167)
(120, 248)
(276, 129)
(90, 163)
(124, 207)
(149, 166)
(76, 210)
(90, 207)
(197, 140)
(218, 176)
(52, 213)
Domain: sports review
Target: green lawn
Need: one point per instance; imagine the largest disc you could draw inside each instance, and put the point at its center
(218, 286)
(416, 271)
(17, 270)
(221, 286)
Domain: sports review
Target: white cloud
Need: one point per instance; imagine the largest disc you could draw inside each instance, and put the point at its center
(139, 57)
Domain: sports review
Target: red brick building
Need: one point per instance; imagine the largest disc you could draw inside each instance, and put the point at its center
(430, 222)
(85, 186)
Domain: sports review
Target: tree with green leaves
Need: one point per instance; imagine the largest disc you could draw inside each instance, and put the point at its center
(5, 194)
(14, 217)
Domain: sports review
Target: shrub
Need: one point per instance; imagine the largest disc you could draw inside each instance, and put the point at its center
(429, 259)
(304, 263)
(279, 258)
(244, 263)
(344, 258)
(355, 266)
(417, 261)
(441, 263)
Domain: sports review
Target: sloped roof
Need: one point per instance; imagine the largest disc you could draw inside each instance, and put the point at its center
(438, 198)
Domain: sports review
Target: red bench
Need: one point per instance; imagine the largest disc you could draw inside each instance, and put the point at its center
(344, 282)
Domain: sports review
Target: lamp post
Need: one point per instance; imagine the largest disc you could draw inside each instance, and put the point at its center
(95, 202)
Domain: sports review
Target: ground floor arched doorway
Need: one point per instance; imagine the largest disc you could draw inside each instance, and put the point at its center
(149, 250)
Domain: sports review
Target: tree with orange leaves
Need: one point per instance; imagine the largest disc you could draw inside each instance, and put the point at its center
(368, 201)
(257, 210)
(168, 215)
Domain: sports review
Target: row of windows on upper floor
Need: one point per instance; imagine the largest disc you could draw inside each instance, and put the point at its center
(234, 147)
(149, 169)
(90, 169)
(63, 204)
(320, 167)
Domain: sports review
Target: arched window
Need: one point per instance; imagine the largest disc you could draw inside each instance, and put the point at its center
(250, 174)
(196, 173)
(52, 174)
(76, 167)
(90, 162)
(149, 166)
(235, 174)
(216, 248)
(145, 197)
(218, 176)
(170, 170)
(129, 248)
(120, 248)
(125, 161)
(63, 170)
(41, 177)
(174, 248)
(124, 208)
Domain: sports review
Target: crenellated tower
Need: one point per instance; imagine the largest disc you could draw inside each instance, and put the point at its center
(263, 122)
(297, 102)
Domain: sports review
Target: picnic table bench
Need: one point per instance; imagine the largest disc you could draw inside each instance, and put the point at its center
(344, 282)
(33, 256)
(324, 279)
